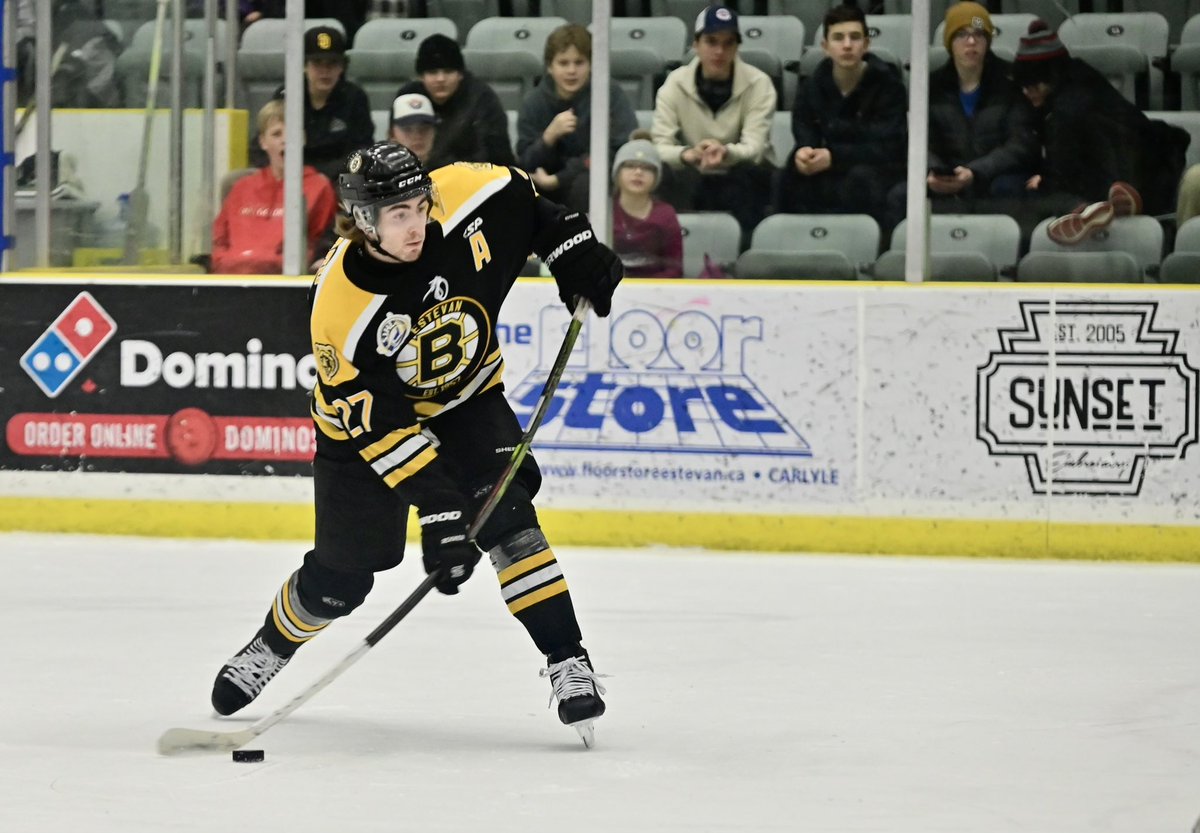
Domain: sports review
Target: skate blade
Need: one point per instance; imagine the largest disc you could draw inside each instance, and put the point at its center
(587, 732)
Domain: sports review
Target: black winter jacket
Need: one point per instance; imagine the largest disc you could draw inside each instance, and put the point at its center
(999, 139)
(867, 127)
(1093, 136)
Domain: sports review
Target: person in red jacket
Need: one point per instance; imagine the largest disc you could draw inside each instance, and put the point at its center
(248, 233)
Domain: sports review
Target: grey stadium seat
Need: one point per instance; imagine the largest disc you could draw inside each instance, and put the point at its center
(810, 12)
(996, 237)
(510, 74)
(464, 13)
(1141, 237)
(1079, 267)
(507, 53)
(1176, 13)
(1180, 267)
(943, 266)
(666, 36)
(853, 236)
(714, 233)
(1093, 37)
(637, 71)
(1187, 238)
(513, 34)
(773, 265)
(781, 36)
(1186, 61)
(573, 11)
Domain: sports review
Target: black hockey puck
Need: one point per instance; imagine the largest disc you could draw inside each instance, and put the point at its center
(248, 756)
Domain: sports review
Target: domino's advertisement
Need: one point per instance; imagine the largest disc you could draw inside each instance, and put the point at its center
(159, 378)
(1007, 401)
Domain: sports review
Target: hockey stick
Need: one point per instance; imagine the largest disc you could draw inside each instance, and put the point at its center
(177, 741)
(139, 201)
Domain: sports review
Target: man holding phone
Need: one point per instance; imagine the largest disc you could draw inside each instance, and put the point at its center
(982, 143)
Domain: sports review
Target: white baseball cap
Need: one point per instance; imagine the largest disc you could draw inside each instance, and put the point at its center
(412, 108)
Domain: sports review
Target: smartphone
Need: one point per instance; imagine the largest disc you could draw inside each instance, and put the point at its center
(942, 170)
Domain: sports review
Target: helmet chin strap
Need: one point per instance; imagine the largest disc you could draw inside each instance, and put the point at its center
(374, 244)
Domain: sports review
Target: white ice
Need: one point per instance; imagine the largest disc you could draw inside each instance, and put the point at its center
(747, 693)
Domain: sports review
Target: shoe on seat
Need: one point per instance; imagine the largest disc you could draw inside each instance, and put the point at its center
(1071, 229)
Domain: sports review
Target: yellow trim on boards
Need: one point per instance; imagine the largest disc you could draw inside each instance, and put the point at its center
(760, 533)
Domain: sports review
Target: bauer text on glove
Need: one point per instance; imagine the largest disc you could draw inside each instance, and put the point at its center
(446, 549)
(583, 266)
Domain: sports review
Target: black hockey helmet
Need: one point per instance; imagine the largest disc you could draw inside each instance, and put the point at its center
(376, 177)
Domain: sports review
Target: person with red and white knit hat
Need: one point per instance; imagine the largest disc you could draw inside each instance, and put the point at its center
(1098, 149)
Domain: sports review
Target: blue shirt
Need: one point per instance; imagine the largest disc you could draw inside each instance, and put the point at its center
(970, 101)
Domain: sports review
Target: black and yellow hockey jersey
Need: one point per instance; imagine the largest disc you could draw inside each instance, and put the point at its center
(395, 344)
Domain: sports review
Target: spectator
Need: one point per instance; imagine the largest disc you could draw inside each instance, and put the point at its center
(337, 114)
(1098, 148)
(248, 233)
(645, 231)
(982, 145)
(414, 125)
(472, 126)
(554, 124)
(712, 120)
(350, 13)
(849, 122)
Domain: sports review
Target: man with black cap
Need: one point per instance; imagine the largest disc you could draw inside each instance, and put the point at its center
(712, 122)
(472, 126)
(337, 114)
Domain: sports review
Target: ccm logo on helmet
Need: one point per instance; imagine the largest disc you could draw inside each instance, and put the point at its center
(567, 245)
(439, 517)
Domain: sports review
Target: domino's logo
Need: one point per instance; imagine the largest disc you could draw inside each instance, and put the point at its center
(68, 344)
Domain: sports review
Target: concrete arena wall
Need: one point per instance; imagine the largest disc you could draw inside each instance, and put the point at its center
(773, 416)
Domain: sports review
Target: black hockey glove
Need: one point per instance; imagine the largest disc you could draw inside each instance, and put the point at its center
(445, 548)
(583, 266)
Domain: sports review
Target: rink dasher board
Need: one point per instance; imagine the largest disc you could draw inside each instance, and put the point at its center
(995, 420)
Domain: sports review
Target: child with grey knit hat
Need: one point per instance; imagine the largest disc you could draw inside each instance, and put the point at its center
(646, 232)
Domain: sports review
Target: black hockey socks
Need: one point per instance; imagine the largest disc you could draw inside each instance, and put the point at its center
(535, 590)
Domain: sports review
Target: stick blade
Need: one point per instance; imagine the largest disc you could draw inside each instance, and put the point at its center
(187, 741)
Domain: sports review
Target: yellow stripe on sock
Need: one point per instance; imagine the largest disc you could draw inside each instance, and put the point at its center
(291, 614)
(517, 605)
(279, 626)
(525, 565)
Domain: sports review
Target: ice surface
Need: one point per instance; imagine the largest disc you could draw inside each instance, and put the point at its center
(748, 693)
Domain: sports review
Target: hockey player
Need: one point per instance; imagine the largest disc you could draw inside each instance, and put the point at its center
(410, 408)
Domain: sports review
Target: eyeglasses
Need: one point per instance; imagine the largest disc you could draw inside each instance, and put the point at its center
(970, 34)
